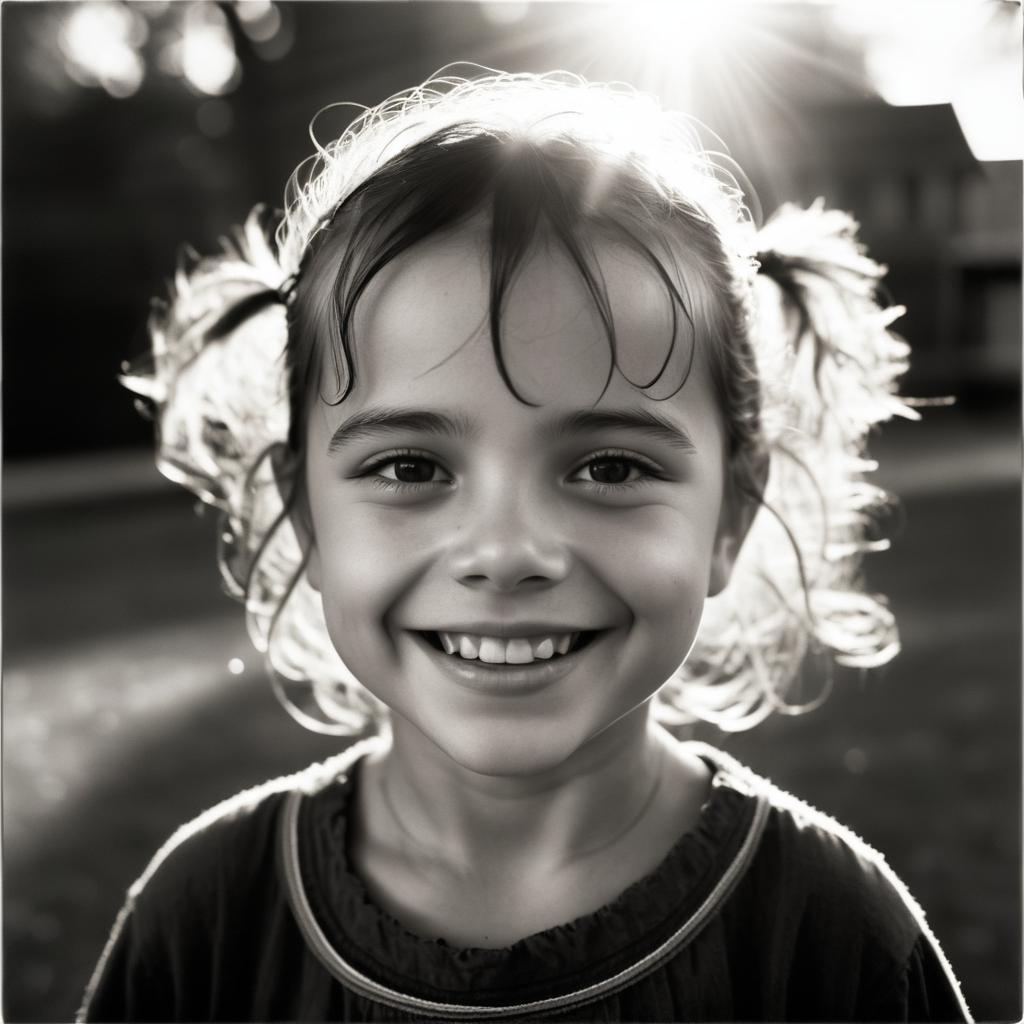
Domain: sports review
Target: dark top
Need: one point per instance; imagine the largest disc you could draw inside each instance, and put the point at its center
(767, 910)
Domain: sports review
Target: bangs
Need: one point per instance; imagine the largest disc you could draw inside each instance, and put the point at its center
(555, 189)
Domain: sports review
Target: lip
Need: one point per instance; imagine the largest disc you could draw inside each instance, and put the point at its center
(505, 680)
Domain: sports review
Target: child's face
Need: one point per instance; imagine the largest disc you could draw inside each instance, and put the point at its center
(442, 506)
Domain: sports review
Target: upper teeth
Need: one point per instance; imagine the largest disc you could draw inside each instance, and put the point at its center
(507, 651)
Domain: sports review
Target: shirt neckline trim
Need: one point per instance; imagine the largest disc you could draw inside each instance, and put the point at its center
(363, 985)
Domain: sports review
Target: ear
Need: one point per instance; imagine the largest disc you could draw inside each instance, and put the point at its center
(291, 483)
(743, 492)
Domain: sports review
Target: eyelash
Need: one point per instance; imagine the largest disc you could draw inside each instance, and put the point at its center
(648, 470)
(371, 474)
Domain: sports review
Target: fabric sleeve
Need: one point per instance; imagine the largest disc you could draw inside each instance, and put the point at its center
(192, 938)
(923, 989)
(932, 992)
(127, 984)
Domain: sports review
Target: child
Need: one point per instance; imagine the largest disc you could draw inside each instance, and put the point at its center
(528, 445)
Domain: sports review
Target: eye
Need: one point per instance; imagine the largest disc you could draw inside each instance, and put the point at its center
(409, 469)
(615, 469)
(610, 471)
(405, 470)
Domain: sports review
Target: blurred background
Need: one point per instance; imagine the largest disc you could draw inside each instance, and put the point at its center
(131, 699)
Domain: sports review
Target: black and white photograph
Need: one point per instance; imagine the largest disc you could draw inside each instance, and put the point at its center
(511, 510)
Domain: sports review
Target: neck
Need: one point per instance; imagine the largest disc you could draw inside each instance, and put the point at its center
(470, 822)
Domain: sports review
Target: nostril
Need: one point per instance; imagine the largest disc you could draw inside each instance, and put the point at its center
(515, 560)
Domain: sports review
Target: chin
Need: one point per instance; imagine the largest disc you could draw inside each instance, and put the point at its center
(507, 749)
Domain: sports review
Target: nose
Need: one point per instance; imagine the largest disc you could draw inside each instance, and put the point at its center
(510, 544)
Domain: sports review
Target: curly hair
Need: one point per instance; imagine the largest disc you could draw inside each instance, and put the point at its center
(801, 357)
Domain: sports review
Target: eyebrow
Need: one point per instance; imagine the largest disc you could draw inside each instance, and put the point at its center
(371, 423)
(638, 421)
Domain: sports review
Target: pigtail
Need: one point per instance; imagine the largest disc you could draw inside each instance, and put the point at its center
(212, 378)
(844, 361)
(215, 383)
(828, 366)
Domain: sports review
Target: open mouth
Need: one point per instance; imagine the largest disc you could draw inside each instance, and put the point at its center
(508, 651)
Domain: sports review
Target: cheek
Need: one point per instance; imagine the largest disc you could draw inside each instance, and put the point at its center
(661, 567)
(365, 566)
(670, 584)
(661, 550)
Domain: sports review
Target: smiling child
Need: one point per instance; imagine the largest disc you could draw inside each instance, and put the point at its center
(522, 460)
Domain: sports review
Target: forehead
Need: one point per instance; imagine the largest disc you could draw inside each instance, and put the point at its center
(422, 332)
